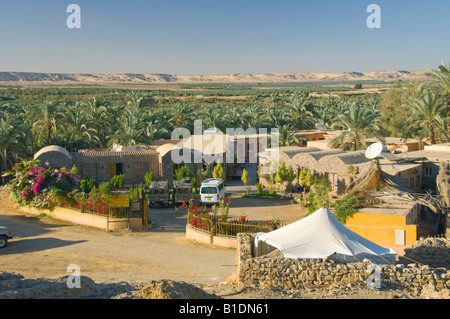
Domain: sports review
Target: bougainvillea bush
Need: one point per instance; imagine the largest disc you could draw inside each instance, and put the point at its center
(40, 187)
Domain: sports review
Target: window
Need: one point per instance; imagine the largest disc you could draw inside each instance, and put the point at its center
(90, 170)
(208, 190)
(140, 169)
(427, 171)
(332, 180)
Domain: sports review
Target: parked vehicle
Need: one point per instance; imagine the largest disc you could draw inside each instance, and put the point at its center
(182, 192)
(212, 191)
(5, 234)
(159, 193)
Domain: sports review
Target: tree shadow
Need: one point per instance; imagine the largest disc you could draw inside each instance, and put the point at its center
(20, 246)
(35, 225)
(168, 220)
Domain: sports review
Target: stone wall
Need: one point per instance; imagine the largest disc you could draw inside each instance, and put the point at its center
(280, 272)
(434, 252)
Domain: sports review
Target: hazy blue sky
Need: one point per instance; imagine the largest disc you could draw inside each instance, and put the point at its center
(222, 36)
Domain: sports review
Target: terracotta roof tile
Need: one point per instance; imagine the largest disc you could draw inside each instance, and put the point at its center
(112, 153)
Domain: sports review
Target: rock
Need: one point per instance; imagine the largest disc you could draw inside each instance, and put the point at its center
(168, 289)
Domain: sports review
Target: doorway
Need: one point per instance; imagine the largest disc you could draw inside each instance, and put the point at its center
(115, 169)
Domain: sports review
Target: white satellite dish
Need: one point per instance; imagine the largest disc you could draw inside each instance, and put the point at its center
(374, 150)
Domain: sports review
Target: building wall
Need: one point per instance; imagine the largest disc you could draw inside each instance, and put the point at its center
(166, 167)
(381, 229)
(128, 162)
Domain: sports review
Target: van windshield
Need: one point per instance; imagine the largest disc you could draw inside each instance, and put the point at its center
(208, 190)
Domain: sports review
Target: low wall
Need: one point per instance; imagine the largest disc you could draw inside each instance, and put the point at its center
(434, 252)
(86, 219)
(205, 238)
(280, 272)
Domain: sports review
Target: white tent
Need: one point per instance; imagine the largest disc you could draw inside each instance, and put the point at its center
(321, 235)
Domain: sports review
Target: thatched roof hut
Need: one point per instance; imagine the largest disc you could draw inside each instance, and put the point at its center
(375, 180)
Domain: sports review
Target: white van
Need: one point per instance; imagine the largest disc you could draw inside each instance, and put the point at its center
(212, 191)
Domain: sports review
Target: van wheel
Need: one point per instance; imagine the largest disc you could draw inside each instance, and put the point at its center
(3, 241)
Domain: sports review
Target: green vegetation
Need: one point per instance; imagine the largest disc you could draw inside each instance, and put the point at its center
(183, 172)
(149, 177)
(319, 195)
(284, 175)
(92, 117)
(117, 182)
(218, 171)
(245, 179)
(345, 207)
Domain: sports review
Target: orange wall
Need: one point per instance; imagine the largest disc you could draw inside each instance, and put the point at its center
(380, 228)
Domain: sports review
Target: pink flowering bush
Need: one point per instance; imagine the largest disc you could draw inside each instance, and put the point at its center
(39, 187)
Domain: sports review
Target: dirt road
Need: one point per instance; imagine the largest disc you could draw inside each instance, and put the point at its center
(44, 248)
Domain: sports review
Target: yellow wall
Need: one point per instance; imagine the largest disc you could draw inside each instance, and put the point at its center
(380, 228)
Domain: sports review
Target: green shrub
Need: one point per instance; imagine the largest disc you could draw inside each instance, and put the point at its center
(117, 181)
(259, 188)
(86, 184)
(149, 177)
(183, 172)
(134, 194)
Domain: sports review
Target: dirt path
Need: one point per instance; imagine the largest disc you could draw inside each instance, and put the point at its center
(43, 248)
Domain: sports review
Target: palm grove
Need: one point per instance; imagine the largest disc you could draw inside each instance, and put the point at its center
(99, 118)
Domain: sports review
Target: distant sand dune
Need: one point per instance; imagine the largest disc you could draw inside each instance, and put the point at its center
(66, 78)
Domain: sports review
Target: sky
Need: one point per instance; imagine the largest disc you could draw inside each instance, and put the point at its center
(222, 36)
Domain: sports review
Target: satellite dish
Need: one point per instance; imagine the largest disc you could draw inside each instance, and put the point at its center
(374, 150)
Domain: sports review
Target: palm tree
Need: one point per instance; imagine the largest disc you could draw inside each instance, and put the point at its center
(183, 115)
(297, 107)
(45, 117)
(360, 123)
(154, 131)
(96, 109)
(428, 113)
(442, 75)
(287, 136)
(11, 145)
(235, 117)
(129, 131)
(275, 99)
(166, 117)
(276, 117)
(211, 116)
(323, 114)
(77, 126)
(255, 117)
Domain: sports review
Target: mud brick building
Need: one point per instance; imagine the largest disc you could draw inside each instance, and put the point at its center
(103, 165)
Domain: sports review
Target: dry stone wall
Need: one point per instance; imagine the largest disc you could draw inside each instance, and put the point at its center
(280, 272)
(434, 252)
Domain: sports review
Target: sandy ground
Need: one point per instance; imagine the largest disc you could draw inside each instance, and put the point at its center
(43, 248)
